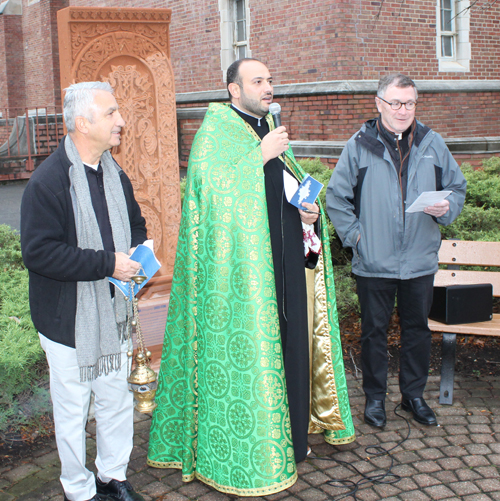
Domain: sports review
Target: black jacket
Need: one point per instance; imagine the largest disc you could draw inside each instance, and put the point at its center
(50, 251)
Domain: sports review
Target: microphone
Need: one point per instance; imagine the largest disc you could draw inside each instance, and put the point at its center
(275, 110)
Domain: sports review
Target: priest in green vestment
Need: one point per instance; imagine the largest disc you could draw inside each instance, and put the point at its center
(252, 359)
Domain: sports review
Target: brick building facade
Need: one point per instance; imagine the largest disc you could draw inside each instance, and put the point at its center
(325, 57)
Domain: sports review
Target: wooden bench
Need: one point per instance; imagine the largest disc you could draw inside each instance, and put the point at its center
(456, 253)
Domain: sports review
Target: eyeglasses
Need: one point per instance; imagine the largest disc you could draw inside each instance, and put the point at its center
(396, 105)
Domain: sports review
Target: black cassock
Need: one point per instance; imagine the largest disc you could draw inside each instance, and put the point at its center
(289, 262)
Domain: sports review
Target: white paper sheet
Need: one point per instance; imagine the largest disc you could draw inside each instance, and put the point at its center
(291, 185)
(426, 199)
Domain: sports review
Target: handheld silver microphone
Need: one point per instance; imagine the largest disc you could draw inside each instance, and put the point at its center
(275, 110)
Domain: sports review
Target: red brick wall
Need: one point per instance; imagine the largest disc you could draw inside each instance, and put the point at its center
(4, 95)
(12, 87)
(304, 41)
(337, 117)
(41, 55)
(186, 132)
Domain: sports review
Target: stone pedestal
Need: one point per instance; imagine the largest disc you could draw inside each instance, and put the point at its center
(130, 49)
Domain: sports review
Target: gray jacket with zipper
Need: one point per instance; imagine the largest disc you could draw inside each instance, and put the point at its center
(364, 199)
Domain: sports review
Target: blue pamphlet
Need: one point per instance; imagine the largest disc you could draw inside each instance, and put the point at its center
(149, 266)
(307, 191)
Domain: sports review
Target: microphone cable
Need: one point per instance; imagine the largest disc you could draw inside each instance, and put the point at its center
(373, 451)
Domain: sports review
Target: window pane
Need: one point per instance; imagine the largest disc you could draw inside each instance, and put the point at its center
(446, 46)
(240, 31)
(240, 9)
(447, 15)
(242, 51)
(447, 20)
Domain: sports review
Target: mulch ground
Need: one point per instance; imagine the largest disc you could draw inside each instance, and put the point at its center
(476, 356)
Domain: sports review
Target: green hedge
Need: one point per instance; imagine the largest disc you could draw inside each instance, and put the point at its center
(480, 218)
(21, 357)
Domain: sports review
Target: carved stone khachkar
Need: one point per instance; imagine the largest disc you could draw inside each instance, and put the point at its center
(130, 49)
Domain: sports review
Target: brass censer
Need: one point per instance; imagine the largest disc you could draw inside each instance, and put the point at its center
(142, 380)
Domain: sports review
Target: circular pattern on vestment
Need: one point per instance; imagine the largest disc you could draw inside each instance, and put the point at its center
(268, 459)
(268, 321)
(219, 443)
(203, 148)
(217, 379)
(242, 350)
(246, 281)
(237, 133)
(192, 242)
(239, 478)
(269, 390)
(249, 212)
(195, 204)
(201, 346)
(177, 393)
(202, 407)
(171, 431)
(167, 341)
(222, 178)
(201, 275)
(267, 254)
(188, 326)
(174, 305)
(241, 419)
(217, 312)
(287, 428)
(204, 464)
(220, 243)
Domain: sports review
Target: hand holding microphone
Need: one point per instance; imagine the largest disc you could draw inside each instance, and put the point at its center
(276, 142)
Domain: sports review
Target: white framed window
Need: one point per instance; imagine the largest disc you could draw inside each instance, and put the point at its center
(448, 33)
(234, 28)
(453, 48)
(240, 29)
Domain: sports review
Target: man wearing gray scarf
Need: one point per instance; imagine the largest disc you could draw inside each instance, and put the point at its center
(79, 224)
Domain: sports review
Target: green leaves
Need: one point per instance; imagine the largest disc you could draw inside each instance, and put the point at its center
(480, 217)
(21, 353)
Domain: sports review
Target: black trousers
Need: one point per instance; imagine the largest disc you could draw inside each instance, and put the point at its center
(414, 299)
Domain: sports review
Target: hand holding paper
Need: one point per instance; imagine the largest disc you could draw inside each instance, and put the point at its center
(429, 199)
(438, 209)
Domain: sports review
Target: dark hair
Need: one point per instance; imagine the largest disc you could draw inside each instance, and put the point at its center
(396, 79)
(233, 73)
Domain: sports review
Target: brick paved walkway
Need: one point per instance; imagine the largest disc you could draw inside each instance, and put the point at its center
(458, 460)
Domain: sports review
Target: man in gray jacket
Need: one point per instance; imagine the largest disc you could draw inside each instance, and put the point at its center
(384, 167)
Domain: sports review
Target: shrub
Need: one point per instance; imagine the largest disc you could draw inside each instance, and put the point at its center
(345, 292)
(480, 217)
(322, 173)
(21, 356)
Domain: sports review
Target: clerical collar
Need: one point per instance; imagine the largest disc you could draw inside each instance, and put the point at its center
(248, 115)
(391, 136)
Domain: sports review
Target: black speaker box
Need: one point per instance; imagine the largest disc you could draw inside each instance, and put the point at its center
(462, 304)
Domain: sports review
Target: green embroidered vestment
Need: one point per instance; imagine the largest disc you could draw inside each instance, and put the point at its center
(222, 411)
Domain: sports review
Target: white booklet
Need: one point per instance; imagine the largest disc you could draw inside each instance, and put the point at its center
(145, 255)
(426, 199)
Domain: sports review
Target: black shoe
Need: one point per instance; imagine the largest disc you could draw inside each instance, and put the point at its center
(97, 497)
(119, 491)
(375, 412)
(422, 413)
